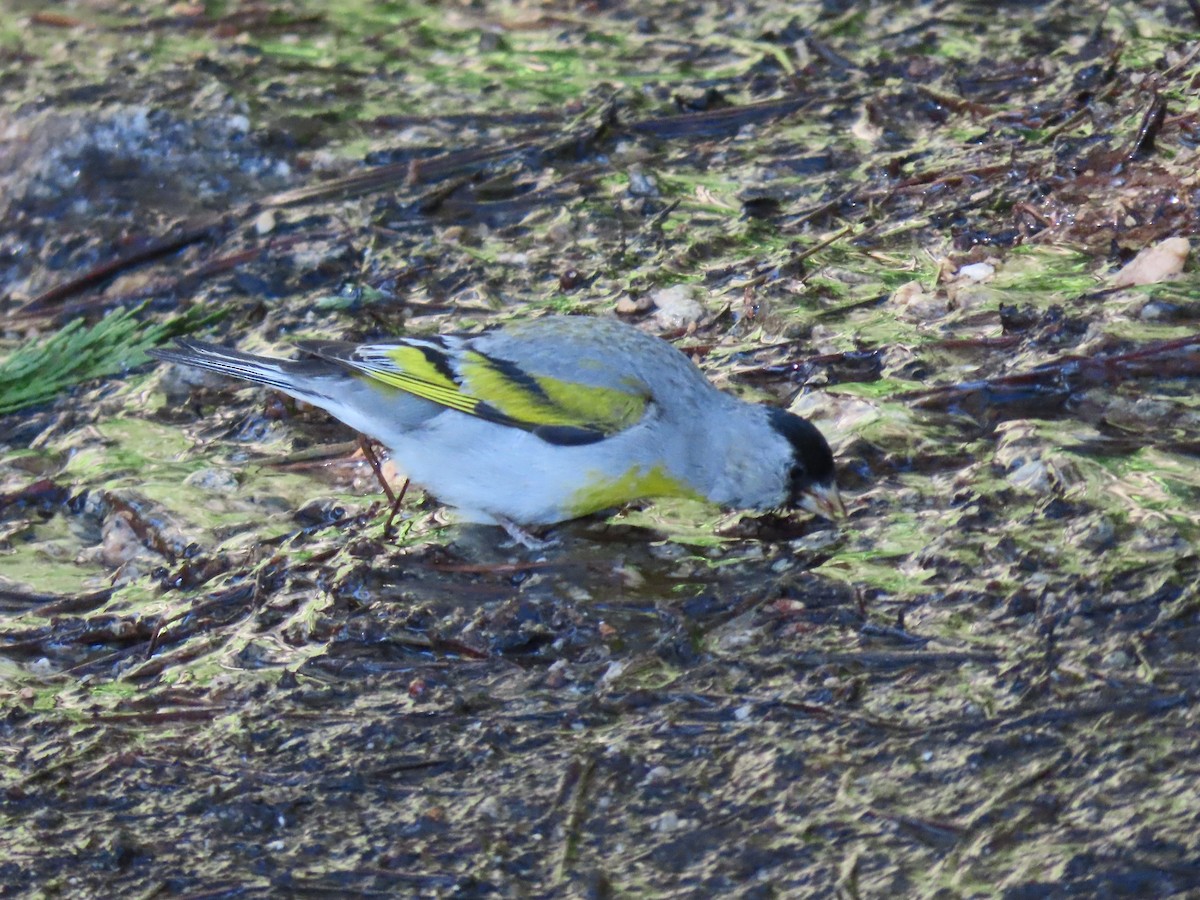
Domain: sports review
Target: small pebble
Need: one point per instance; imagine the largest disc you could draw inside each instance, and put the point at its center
(977, 271)
(1154, 264)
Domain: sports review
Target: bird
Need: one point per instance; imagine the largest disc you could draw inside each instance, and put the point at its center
(549, 419)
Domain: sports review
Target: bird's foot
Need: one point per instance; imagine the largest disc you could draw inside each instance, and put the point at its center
(519, 535)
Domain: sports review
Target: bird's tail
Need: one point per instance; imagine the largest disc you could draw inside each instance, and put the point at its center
(292, 377)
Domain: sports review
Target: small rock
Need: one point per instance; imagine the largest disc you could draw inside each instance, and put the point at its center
(839, 416)
(1118, 659)
(614, 671)
(915, 305)
(630, 305)
(676, 307)
(42, 667)
(1033, 476)
(1161, 311)
(1154, 264)
(641, 184)
(668, 821)
(120, 542)
(1099, 535)
(658, 773)
(631, 578)
(980, 271)
(219, 481)
(907, 292)
(265, 222)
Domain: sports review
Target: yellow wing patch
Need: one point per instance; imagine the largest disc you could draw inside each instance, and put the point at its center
(500, 391)
(417, 374)
(541, 400)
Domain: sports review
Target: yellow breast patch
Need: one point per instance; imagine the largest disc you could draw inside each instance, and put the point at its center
(602, 491)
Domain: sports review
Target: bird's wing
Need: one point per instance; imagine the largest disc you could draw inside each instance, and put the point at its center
(449, 371)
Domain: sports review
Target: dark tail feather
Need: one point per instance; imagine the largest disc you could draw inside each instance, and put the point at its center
(286, 375)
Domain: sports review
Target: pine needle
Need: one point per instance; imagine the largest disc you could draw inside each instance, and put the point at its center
(40, 370)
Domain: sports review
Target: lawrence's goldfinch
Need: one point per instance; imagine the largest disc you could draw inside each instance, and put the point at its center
(551, 419)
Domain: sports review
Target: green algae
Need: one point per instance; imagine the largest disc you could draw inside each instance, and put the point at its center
(980, 686)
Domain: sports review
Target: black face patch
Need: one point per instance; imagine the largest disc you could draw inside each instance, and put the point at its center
(812, 460)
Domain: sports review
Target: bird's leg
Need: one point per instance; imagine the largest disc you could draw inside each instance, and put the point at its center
(394, 500)
(387, 528)
(364, 444)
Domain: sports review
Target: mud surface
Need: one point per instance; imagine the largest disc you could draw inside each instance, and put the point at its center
(915, 224)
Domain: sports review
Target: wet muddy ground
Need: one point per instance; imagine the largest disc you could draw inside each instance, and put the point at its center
(954, 235)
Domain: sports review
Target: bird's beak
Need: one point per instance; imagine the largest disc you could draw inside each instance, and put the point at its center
(824, 500)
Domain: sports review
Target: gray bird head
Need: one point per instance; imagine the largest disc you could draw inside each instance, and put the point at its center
(811, 484)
